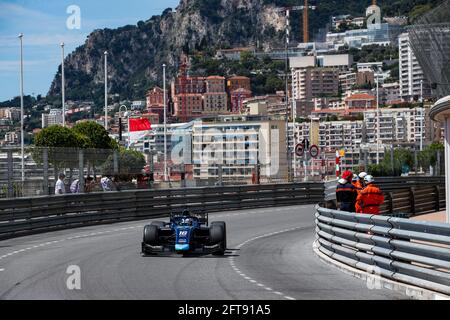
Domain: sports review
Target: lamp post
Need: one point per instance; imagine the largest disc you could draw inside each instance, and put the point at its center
(421, 115)
(165, 122)
(288, 155)
(378, 117)
(63, 87)
(294, 116)
(21, 108)
(106, 90)
(120, 123)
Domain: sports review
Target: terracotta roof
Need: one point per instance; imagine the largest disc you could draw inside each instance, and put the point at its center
(238, 78)
(215, 78)
(360, 96)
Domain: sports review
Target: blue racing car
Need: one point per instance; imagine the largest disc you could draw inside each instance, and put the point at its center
(185, 233)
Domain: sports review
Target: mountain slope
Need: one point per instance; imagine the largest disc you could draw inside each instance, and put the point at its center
(137, 52)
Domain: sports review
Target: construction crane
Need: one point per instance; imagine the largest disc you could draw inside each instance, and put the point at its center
(305, 8)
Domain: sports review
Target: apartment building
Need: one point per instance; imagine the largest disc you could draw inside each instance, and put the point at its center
(389, 93)
(238, 82)
(10, 114)
(215, 103)
(194, 97)
(274, 105)
(215, 84)
(238, 145)
(237, 98)
(155, 102)
(397, 126)
(411, 74)
(12, 138)
(54, 117)
(317, 76)
(349, 80)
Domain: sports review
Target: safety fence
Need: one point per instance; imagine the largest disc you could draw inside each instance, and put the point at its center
(38, 214)
(404, 250)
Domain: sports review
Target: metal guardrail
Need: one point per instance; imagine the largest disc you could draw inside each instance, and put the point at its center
(412, 252)
(40, 214)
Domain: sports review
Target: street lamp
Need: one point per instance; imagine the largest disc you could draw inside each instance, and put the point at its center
(21, 108)
(377, 74)
(106, 90)
(165, 122)
(63, 87)
(126, 115)
(421, 115)
(288, 154)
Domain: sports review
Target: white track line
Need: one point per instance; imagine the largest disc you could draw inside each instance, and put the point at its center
(88, 235)
(232, 262)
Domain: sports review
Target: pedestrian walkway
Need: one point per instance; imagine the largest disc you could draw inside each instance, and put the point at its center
(433, 217)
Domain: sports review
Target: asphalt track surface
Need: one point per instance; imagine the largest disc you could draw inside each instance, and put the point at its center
(269, 256)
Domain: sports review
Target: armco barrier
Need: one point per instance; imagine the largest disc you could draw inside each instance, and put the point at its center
(29, 215)
(407, 251)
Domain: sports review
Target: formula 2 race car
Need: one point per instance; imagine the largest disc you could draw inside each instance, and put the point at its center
(185, 233)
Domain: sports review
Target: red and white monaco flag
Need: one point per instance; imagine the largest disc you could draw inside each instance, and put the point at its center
(139, 128)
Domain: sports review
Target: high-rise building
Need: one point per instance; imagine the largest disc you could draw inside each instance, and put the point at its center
(53, 118)
(411, 73)
(316, 77)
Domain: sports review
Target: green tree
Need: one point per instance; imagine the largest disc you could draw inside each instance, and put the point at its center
(57, 137)
(428, 156)
(96, 137)
(130, 162)
(61, 143)
(402, 157)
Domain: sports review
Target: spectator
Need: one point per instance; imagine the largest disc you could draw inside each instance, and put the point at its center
(60, 187)
(107, 183)
(75, 186)
(89, 184)
(116, 183)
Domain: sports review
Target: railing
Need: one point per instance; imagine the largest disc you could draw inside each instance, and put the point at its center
(39, 214)
(412, 252)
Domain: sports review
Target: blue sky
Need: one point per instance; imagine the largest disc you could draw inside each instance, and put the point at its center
(43, 23)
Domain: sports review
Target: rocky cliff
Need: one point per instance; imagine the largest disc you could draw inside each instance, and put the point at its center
(137, 52)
